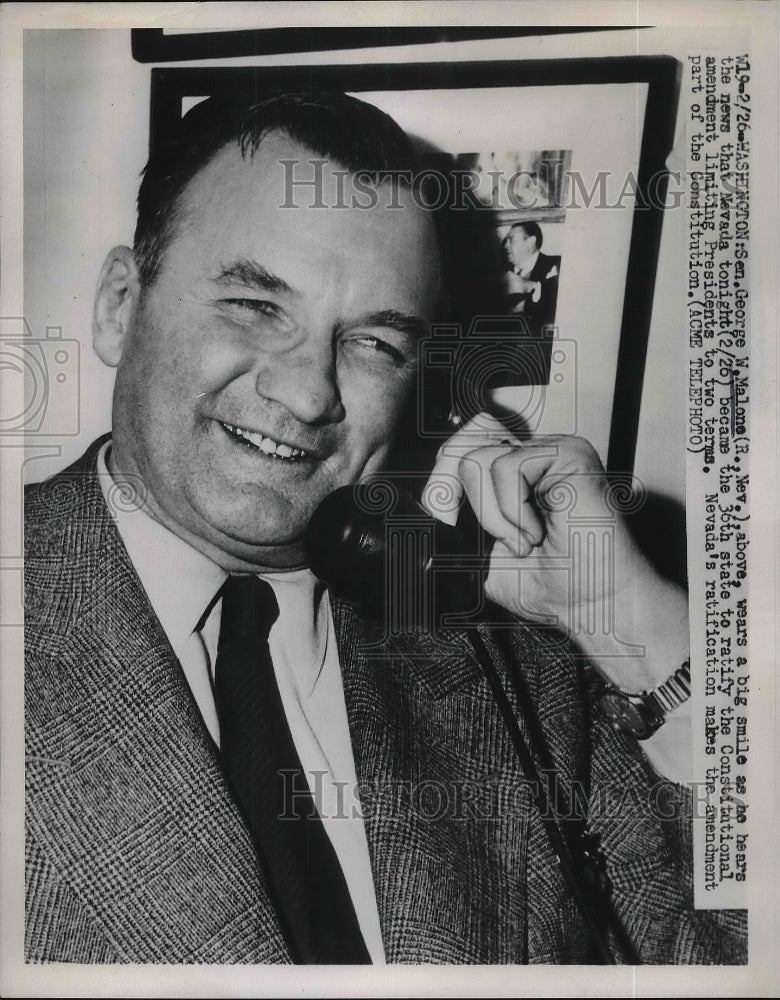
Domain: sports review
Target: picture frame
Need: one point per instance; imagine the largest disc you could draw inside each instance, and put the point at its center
(591, 363)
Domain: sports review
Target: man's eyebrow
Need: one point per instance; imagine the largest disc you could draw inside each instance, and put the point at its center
(253, 275)
(413, 326)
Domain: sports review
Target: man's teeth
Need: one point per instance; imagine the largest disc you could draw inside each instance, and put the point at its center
(265, 444)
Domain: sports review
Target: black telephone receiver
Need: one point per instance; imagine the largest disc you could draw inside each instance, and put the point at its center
(367, 539)
(354, 538)
(375, 538)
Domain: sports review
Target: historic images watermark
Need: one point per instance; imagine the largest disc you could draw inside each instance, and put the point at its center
(307, 184)
(489, 800)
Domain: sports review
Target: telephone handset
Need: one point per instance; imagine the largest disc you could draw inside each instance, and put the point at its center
(361, 548)
(374, 537)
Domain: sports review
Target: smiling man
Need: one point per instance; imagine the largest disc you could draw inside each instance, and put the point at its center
(269, 359)
(224, 762)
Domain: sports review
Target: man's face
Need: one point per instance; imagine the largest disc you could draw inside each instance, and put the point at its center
(519, 246)
(271, 358)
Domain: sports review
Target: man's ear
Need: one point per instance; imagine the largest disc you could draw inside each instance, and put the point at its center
(116, 300)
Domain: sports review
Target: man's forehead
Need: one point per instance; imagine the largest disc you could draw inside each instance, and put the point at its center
(291, 175)
(242, 206)
(285, 177)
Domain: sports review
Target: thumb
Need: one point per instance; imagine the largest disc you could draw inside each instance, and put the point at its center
(443, 493)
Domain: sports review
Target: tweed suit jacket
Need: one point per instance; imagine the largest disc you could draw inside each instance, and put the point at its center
(135, 851)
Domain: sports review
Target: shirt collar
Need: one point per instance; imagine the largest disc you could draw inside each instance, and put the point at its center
(529, 265)
(180, 581)
(300, 635)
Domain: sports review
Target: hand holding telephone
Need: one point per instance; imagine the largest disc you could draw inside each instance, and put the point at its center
(537, 501)
(560, 544)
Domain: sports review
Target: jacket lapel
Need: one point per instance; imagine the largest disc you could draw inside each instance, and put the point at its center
(123, 782)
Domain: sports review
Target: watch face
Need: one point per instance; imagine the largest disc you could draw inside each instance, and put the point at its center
(627, 713)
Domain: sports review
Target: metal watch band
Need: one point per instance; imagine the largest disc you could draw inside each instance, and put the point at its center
(641, 715)
(674, 691)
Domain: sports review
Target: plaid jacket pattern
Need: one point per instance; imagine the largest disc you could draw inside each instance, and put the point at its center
(135, 851)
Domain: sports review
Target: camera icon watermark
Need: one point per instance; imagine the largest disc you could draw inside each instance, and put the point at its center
(47, 371)
(498, 356)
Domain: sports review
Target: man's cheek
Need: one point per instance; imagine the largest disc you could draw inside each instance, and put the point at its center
(376, 457)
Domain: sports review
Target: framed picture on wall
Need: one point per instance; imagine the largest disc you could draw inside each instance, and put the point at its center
(549, 180)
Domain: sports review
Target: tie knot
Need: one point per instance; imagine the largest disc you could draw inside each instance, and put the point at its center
(249, 607)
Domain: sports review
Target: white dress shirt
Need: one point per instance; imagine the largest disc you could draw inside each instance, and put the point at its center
(181, 584)
(524, 272)
(525, 269)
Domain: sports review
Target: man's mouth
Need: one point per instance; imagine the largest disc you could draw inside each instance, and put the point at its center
(266, 445)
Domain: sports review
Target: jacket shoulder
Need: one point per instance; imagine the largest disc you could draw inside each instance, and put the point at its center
(57, 498)
(550, 260)
(66, 523)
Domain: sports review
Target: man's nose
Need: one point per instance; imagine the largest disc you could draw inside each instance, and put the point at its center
(304, 381)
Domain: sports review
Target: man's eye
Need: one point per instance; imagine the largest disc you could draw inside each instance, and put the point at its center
(258, 306)
(379, 346)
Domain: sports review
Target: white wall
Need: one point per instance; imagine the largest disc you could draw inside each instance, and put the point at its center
(86, 129)
(86, 118)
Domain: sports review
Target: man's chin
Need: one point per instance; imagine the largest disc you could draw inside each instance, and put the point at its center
(238, 543)
(255, 556)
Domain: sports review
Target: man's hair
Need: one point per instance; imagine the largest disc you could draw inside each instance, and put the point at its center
(331, 125)
(532, 229)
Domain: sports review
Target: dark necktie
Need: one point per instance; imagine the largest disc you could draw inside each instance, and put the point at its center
(262, 766)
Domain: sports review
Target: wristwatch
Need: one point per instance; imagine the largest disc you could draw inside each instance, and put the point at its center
(641, 715)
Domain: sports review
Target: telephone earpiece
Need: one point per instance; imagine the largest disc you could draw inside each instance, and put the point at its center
(366, 550)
